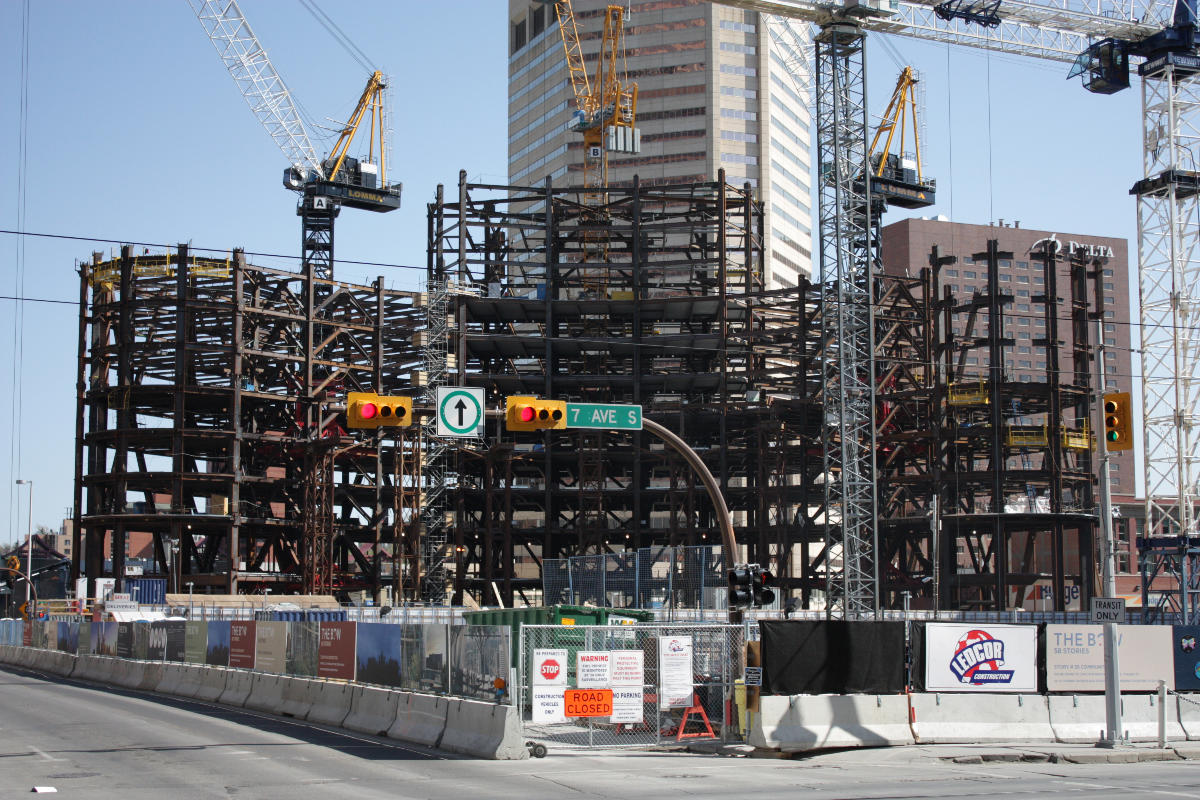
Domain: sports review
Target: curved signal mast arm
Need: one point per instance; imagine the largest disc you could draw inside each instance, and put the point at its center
(256, 78)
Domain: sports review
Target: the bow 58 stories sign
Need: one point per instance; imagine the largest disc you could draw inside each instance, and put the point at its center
(980, 658)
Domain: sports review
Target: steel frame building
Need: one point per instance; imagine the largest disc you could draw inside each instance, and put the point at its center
(209, 401)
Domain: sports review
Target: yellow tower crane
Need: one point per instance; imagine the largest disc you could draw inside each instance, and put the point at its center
(896, 178)
(606, 107)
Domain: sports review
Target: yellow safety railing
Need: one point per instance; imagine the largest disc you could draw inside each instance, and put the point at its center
(969, 394)
(1078, 440)
(1027, 436)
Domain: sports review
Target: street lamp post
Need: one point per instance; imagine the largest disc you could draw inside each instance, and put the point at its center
(28, 549)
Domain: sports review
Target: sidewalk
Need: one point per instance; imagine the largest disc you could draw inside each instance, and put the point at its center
(974, 753)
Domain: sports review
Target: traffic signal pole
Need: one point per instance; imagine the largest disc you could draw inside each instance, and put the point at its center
(1112, 670)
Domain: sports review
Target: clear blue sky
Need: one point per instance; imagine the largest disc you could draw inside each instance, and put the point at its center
(136, 133)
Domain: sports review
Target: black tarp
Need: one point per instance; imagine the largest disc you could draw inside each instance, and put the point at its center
(832, 657)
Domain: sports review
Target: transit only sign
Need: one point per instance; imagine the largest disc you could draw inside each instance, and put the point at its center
(604, 416)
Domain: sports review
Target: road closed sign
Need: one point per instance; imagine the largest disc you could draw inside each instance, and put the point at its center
(549, 667)
(588, 702)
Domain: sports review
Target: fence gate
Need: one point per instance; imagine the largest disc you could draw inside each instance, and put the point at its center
(671, 684)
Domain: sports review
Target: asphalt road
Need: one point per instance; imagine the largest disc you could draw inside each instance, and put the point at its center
(104, 743)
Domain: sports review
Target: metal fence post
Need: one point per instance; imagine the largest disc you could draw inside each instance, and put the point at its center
(1162, 714)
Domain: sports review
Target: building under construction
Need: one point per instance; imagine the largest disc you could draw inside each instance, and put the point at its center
(212, 393)
(209, 400)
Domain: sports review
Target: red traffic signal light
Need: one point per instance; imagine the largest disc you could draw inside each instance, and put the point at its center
(370, 410)
(1118, 421)
(761, 580)
(534, 414)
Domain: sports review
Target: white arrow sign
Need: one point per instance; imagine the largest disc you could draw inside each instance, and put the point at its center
(459, 411)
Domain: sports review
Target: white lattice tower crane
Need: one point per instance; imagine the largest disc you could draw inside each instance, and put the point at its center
(1110, 35)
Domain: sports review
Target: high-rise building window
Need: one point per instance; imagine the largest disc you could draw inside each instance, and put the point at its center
(745, 49)
(739, 136)
(539, 20)
(729, 25)
(518, 36)
(733, 113)
(733, 91)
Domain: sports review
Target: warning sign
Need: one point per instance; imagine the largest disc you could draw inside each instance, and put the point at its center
(588, 702)
(591, 669)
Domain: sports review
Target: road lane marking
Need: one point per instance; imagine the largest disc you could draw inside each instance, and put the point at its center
(44, 756)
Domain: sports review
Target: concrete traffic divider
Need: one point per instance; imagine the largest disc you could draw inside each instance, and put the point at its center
(212, 684)
(297, 696)
(90, 668)
(191, 679)
(1139, 718)
(266, 693)
(128, 674)
(172, 674)
(152, 675)
(1077, 717)
(373, 710)
(484, 730)
(1188, 709)
(812, 722)
(944, 718)
(421, 719)
(330, 703)
(238, 684)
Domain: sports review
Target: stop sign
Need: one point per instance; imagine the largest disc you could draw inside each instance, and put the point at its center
(550, 669)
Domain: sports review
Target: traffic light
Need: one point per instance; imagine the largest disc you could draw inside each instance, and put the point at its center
(761, 579)
(535, 414)
(370, 410)
(13, 563)
(1118, 421)
(740, 581)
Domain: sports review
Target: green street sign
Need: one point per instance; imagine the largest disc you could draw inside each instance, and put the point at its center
(609, 417)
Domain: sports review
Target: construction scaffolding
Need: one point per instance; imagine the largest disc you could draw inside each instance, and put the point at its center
(211, 396)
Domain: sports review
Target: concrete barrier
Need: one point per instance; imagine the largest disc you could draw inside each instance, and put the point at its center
(128, 674)
(212, 684)
(372, 710)
(330, 703)
(1139, 718)
(1188, 709)
(266, 693)
(945, 718)
(814, 722)
(484, 730)
(98, 669)
(1077, 717)
(172, 676)
(152, 675)
(421, 719)
(191, 679)
(297, 697)
(238, 684)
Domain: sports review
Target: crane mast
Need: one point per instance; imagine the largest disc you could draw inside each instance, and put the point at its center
(606, 107)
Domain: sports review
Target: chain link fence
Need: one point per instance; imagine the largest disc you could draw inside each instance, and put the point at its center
(651, 577)
(671, 684)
